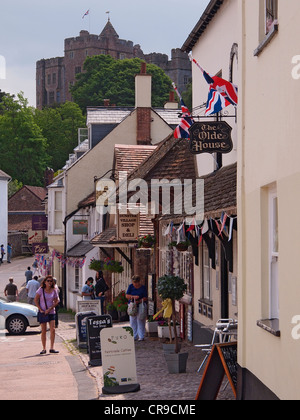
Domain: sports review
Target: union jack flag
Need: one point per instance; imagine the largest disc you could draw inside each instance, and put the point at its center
(182, 130)
(86, 13)
(222, 94)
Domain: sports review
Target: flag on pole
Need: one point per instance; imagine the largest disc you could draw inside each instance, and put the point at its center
(86, 13)
(221, 94)
(182, 130)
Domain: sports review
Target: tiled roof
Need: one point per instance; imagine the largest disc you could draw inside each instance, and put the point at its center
(127, 157)
(40, 192)
(106, 237)
(220, 190)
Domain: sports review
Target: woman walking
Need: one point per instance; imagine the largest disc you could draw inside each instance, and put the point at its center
(138, 293)
(46, 300)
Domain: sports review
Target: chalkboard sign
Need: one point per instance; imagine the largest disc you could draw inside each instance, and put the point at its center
(81, 331)
(222, 361)
(95, 325)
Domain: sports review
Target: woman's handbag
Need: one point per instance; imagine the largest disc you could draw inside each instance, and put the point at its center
(43, 318)
(132, 309)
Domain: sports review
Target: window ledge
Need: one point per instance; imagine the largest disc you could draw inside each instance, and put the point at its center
(266, 41)
(270, 325)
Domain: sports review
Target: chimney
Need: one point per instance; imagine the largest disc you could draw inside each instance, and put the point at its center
(172, 103)
(106, 102)
(48, 177)
(143, 87)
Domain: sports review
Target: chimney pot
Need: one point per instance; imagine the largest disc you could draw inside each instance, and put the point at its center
(143, 68)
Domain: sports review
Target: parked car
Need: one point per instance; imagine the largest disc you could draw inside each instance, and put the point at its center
(17, 317)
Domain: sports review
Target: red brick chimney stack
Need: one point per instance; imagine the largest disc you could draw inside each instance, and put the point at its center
(143, 86)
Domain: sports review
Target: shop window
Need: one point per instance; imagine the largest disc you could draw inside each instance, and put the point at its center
(206, 274)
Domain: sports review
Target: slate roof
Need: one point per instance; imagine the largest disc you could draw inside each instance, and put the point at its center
(114, 115)
(80, 250)
(107, 115)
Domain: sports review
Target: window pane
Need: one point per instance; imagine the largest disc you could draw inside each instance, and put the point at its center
(275, 225)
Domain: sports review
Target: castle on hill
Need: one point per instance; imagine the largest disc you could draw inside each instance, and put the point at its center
(54, 76)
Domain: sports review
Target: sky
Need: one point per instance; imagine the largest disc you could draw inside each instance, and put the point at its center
(34, 29)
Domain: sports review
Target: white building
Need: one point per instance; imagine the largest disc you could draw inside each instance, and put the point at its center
(4, 180)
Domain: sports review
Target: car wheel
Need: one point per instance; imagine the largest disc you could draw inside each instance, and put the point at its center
(16, 325)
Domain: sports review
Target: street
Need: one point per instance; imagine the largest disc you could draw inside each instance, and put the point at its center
(15, 269)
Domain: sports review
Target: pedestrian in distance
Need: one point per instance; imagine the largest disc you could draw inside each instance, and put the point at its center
(11, 291)
(32, 287)
(87, 292)
(47, 299)
(9, 253)
(2, 253)
(28, 274)
(100, 289)
(35, 267)
(138, 293)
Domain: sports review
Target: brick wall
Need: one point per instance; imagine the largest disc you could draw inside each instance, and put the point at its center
(143, 134)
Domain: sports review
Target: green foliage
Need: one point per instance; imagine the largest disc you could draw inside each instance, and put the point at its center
(13, 187)
(107, 78)
(23, 152)
(171, 287)
(59, 126)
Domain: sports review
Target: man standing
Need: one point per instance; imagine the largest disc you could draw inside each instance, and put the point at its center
(11, 291)
(32, 287)
(2, 253)
(9, 252)
(28, 274)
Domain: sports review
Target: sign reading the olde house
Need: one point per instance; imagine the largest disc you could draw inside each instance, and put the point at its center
(211, 137)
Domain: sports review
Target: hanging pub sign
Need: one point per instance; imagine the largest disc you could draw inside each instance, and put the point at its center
(211, 137)
(80, 227)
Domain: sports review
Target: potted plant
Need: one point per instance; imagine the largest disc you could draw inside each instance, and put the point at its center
(163, 329)
(112, 311)
(147, 241)
(112, 266)
(152, 326)
(121, 305)
(96, 265)
(170, 289)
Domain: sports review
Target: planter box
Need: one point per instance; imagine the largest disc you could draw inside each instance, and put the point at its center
(163, 332)
(170, 348)
(151, 328)
(176, 362)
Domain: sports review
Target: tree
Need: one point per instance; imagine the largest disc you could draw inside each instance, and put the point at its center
(107, 78)
(22, 146)
(59, 126)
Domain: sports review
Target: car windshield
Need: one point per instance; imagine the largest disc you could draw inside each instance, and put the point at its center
(3, 300)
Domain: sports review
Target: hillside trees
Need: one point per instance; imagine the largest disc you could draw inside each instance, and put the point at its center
(107, 78)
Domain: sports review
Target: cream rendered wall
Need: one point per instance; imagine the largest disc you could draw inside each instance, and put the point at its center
(212, 52)
(269, 151)
(96, 162)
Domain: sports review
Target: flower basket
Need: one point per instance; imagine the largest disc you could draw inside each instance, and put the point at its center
(112, 266)
(96, 265)
(183, 246)
(147, 241)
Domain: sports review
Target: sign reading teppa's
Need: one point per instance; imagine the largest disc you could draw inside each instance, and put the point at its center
(211, 137)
